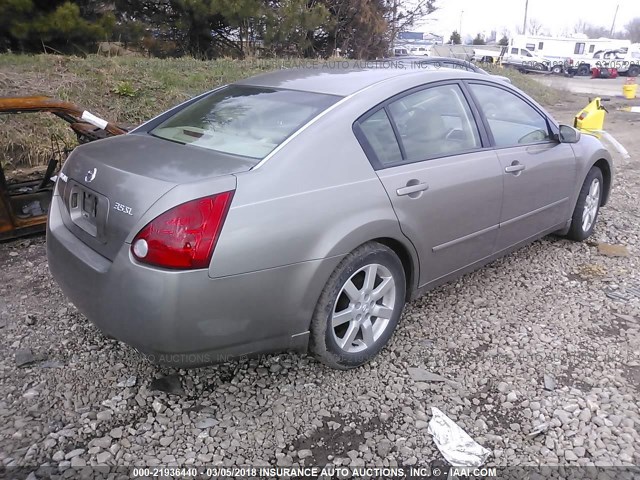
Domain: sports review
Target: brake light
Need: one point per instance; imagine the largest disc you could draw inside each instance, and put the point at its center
(185, 236)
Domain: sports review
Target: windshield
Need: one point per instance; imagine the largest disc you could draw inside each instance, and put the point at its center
(242, 120)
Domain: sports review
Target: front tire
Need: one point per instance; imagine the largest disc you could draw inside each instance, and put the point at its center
(359, 307)
(587, 208)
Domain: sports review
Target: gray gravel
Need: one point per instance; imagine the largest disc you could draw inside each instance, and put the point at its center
(529, 356)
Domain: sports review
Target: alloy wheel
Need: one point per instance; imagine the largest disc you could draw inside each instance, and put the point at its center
(363, 308)
(591, 204)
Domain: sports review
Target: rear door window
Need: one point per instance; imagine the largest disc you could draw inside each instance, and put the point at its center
(378, 133)
(243, 120)
(435, 122)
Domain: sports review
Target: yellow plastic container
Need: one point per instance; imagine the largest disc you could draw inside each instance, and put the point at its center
(591, 117)
(629, 91)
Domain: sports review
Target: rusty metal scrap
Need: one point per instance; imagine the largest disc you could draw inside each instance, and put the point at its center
(65, 110)
(24, 205)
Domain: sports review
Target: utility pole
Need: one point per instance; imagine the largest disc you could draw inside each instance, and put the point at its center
(615, 15)
(394, 25)
(460, 29)
(526, 11)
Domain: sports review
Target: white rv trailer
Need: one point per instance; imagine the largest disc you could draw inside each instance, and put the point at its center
(570, 54)
(562, 48)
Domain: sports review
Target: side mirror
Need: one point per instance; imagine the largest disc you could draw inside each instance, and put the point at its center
(568, 134)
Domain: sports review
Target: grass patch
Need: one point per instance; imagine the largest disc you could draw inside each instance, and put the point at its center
(126, 90)
(527, 82)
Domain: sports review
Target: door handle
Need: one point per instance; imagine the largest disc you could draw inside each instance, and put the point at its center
(409, 189)
(515, 167)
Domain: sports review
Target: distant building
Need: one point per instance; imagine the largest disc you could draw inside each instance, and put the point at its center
(421, 38)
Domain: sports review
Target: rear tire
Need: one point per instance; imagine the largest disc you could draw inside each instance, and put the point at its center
(587, 208)
(359, 308)
(557, 69)
(583, 70)
(633, 71)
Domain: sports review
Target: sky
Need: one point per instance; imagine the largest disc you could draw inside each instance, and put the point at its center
(555, 15)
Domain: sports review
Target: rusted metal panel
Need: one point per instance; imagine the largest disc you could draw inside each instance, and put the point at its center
(24, 206)
(66, 110)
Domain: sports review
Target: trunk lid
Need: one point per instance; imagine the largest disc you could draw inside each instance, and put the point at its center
(111, 183)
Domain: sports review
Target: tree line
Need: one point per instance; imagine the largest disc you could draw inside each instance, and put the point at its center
(209, 28)
(631, 31)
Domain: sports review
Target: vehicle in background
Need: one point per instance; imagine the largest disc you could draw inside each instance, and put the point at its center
(400, 52)
(486, 55)
(521, 57)
(420, 50)
(626, 60)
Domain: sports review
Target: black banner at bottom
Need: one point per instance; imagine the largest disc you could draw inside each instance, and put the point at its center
(328, 472)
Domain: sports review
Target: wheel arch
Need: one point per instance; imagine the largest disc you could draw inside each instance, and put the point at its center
(605, 168)
(409, 263)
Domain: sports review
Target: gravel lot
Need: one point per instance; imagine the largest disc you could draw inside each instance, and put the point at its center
(84, 399)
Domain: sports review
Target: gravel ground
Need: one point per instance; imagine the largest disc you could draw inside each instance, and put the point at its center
(529, 344)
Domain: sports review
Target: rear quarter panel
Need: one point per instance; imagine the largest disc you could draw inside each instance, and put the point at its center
(317, 198)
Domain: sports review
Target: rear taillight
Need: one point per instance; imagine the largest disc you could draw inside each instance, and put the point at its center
(185, 236)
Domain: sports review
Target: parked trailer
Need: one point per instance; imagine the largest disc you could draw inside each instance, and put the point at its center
(625, 61)
(570, 54)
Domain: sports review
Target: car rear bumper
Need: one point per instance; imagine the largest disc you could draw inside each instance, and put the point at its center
(186, 318)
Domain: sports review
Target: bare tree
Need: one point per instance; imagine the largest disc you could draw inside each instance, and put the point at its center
(404, 13)
(633, 30)
(580, 26)
(535, 27)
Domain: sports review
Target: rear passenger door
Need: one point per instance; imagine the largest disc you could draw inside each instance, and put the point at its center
(539, 172)
(443, 180)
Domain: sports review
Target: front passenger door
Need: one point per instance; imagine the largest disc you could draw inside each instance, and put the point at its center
(539, 172)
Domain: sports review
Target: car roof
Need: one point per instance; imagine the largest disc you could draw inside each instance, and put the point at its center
(431, 58)
(340, 81)
(423, 58)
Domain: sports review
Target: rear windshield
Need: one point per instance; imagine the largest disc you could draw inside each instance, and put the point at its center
(246, 121)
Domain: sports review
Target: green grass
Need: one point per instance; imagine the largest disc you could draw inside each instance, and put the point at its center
(126, 90)
(527, 82)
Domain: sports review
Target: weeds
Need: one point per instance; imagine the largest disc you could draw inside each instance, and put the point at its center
(125, 89)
